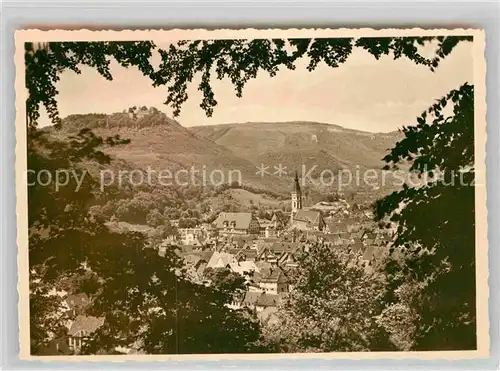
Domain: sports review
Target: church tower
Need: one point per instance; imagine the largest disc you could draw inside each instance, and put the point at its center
(296, 196)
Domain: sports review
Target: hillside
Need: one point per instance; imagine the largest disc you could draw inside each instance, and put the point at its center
(318, 146)
(301, 141)
(161, 143)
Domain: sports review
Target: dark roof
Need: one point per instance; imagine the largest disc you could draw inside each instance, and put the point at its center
(251, 297)
(274, 275)
(186, 250)
(264, 246)
(268, 300)
(247, 253)
(368, 253)
(358, 234)
(357, 247)
(337, 227)
(242, 239)
(312, 217)
(278, 216)
(280, 247)
(234, 250)
(349, 221)
(206, 254)
(263, 266)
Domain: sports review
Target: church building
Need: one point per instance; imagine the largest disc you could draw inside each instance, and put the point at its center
(304, 220)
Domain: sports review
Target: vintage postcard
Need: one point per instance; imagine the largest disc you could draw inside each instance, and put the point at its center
(251, 194)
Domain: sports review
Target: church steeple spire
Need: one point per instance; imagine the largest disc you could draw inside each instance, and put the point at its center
(296, 195)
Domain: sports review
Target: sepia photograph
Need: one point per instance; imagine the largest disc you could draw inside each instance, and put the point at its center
(251, 193)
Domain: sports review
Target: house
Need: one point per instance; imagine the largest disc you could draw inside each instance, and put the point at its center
(280, 253)
(274, 227)
(357, 247)
(273, 252)
(332, 227)
(288, 260)
(243, 240)
(344, 225)
(281, 247)
(237, 223)
(191, 236)
(308, 220)
(275, 282)
(260, 301)
(278, 220)
(250, 299)
(261, 243)
(246, 254)
(357, 235)
(80, 329)
(371, 254)
(267, 300)
(195, 264)
(382, 239)
(244, 268)
(265, 253)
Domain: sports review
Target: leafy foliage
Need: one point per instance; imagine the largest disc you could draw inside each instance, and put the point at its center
(237, 60)
(146, 300)
(45, 62)
(151, 304)
(241, 60)
(332, 306)
(436, 220)
(400, 318)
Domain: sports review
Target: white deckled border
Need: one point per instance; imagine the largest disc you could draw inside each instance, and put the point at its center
(482, 291)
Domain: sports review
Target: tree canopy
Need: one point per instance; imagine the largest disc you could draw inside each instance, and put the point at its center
(436, 220)
(146, 300)
(237, 60)
(332, 307)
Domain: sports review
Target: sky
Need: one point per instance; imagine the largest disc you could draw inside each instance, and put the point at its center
(363, 93)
